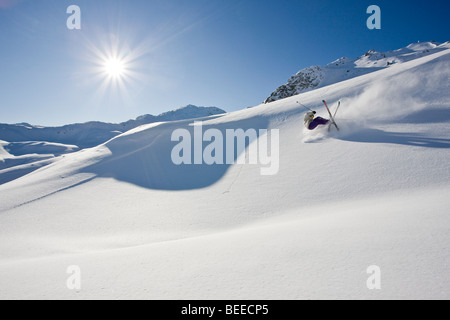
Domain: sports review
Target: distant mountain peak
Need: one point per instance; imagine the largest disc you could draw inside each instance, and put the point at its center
(315, 77)
(24, 124)
(189, 112)
(182, 113)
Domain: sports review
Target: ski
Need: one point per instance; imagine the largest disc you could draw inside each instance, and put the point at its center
(337, 109)
(331, 117)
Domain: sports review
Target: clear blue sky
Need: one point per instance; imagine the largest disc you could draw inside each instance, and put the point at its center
(226, 53)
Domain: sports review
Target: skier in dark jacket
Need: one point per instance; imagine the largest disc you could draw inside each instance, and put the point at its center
(311, 122)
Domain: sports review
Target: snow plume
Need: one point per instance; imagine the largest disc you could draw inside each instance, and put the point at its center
(389, 101)
(383, 101)
(312, 136)
(414, 91)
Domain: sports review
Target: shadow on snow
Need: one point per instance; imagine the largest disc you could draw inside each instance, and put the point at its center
(144, 158)
(408, 139)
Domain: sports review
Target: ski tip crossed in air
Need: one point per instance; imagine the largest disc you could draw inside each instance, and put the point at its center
(312, 122)
(333, 122)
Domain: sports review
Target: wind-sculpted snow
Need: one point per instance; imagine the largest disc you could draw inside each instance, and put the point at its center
(139, 226)
(28, 145)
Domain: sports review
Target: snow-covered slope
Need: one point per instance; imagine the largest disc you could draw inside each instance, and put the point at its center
(139, 226)
(32, 147)
(91, 134)
(20, 158)
(344, 68)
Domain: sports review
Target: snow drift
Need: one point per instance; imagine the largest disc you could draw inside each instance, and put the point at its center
(31, 147)
(140, 227)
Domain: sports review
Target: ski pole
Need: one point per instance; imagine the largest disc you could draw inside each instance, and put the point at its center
(305, 106)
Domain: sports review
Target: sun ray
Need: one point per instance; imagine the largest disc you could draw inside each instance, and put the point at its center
(113, 66)
(117, 64)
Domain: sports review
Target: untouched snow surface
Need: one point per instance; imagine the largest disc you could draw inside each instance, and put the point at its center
(138, 226)
(20, 158)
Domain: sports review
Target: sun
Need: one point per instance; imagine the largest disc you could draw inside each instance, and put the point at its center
(114, 67)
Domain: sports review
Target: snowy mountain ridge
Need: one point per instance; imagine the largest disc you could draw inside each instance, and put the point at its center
(91, 134)
(188, 112)
(344, 68)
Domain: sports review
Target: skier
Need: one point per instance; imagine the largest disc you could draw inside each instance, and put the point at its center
(311, 122)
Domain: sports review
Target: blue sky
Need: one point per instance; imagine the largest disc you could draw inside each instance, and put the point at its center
(226, 53)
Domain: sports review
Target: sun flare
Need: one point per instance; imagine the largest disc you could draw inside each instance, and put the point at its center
(114, 67)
